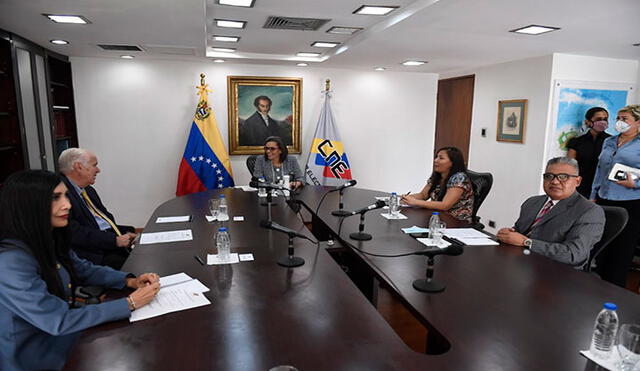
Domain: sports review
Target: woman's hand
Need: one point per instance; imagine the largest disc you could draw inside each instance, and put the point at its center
(629, 183)
(143, 280)
(409, 200)
(144, 295)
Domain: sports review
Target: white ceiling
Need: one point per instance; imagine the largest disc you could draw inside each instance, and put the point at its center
(453, 35)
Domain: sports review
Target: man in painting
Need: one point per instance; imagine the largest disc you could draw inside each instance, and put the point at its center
(259, 126)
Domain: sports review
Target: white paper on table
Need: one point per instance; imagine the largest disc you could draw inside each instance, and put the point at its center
(458, 233)
(238, 218)
(169, 236)
(609, 363)
(173, 219)
(429, 242)
(168, 301)
(415, 229)
(245, 257)
(212, 259)
(383, 198)
(477, 241)
(389, 216)
(174, 279)
(246, 188)
(182, 281)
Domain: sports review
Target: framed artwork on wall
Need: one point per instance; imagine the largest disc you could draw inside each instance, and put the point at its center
(260, 107)
(512, 119)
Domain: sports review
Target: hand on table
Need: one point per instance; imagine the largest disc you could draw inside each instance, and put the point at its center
(125, 240)
(144, 295)
(143, 280)
(510, 236)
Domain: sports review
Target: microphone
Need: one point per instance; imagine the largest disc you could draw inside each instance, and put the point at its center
(379, 204)
(256, 184)
(348, 184)
(452, 250)
(277, 227)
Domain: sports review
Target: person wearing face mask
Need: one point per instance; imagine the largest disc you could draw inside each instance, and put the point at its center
(587, 147)
(624, 148)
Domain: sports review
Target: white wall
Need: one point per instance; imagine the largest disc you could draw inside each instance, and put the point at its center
(136, 116)
(594, 69)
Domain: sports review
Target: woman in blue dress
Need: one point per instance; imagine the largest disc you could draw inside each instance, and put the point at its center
(38, 319)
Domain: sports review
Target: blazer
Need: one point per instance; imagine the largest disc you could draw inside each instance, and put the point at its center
(87, 240)
(567, 232)
(289, 166)
(37, 328)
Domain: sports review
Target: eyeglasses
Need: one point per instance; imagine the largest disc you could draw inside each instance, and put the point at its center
(271, 148)
(562, 177)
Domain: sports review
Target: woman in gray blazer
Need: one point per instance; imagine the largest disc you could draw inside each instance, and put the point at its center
(276, 163)
(38, 320)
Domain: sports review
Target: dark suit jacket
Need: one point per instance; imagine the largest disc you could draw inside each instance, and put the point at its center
(87, 240)
(567, 232)
(253, 130)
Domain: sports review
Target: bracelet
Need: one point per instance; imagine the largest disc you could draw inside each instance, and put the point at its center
(132, 303)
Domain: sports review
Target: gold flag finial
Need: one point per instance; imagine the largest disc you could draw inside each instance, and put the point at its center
(203, 89)
(202, 79)
(327, 85)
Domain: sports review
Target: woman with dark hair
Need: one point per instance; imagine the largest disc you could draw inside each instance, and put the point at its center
(38, 319)
(449, 187)
(276, 163)
(587, 147)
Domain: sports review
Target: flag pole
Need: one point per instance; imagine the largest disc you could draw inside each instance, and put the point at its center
(202, 79)
(327, 85)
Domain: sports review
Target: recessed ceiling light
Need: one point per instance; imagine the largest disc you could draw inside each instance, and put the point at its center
(413, 63)
(343, 30)
(218, 60)
(324, 44)
(225, 50)
(374, 10)
(127, 56)
(534, 29)
(59, 42)
(307, 54)
(302, 64)
(226, 39)
(243, 3)
(379, 68)
(228, 23)
(67, 18)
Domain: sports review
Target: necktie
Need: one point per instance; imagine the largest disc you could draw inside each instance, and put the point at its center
(99, 213)
(545, 209)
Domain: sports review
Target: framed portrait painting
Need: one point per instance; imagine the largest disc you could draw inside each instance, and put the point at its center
(512, 119)
(260, 107)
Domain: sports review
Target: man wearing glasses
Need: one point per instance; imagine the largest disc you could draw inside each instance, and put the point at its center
(561, 224)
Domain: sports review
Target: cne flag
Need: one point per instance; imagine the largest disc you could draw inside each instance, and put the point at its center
(205, 163)
(327, 163)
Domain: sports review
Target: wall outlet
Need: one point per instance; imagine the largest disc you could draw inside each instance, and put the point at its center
(483, 132)
(492, 223)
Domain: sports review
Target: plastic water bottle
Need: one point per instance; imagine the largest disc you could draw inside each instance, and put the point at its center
(434, 226)
(223, 244)
(223, 213)
(605, 331)
(394, 205)
(262, 192)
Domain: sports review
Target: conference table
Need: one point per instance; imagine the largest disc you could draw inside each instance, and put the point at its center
(501, 309)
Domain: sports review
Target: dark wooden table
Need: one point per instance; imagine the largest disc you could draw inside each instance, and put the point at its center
(501, 310)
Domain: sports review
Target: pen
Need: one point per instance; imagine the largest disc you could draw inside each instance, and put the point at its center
(199, 260)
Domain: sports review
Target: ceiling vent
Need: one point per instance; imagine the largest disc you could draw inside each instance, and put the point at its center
(289, 23)
(120, 48)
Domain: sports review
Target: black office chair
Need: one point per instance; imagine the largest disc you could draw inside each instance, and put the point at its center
(251, 163)
(481, 183)
(615, 220)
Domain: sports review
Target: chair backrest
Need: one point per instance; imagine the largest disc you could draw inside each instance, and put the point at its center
(615, 220)
(481, 183)
(251, 163)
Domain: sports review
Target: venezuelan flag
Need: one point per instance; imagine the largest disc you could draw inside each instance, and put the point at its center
(205, 163)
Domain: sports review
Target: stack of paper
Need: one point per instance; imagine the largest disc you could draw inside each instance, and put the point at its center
(173, 219)
(429, 242)
(169, 236)
(415, 229)
(389, 216)
(469, 236)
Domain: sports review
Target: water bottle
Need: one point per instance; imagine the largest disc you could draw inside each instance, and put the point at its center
(394, 205)
(434, 225)
(223, 244)
(605, 331)
(223, 213)
(262, 192)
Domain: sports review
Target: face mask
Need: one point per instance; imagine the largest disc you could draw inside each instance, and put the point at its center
(622, 127)
(600, 126)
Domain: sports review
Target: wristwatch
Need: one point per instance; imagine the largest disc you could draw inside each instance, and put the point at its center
(527, 246)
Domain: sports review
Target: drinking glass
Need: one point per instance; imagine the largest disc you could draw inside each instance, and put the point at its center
(214, 207)
(628, 346)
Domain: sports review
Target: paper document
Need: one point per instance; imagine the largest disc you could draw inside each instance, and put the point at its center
(168, 301)
(169, 236)
(245, 257)
(238, 218)
(464, 233)
(477, 241)
(415, 229)
(182, 281)
(173, 219)
(429, 242)
(389, 216)
(212, 259)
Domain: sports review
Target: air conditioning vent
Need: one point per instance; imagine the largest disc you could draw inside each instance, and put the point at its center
(289, 23)
(120, 48)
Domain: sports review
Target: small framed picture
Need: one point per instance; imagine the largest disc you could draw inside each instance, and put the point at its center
(512, 119)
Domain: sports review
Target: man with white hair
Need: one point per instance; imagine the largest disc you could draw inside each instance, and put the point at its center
(95, 236)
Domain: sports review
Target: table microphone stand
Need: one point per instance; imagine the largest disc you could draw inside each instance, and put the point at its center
(428, 284)
(290, 261)
(269, 199)
(340, 211)
(360, 235)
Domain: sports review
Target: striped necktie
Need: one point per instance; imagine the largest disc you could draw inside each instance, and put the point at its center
(99, 213)
(545, 209)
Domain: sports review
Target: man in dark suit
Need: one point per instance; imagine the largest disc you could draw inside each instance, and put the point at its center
(561, 224)
(259, 126)
(95, 236)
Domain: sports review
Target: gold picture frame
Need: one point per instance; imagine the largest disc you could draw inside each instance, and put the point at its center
(512, 120)
(248, 97)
